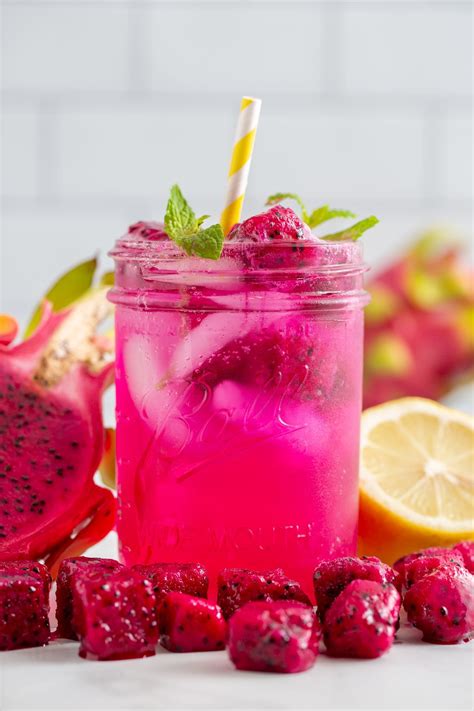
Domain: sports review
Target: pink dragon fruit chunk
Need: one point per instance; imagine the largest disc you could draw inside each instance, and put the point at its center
(331, 577)
(361, 621)
(189, 578)
(415, 566)
(441, 605)
(281, 636)
(439, 552)
(31, 567)
(69, 568)
(237, 586)
(466, 549)
(24, 607)
(191, 624)
(148, 230)
(276, 224)
(51, 438)
(115, 618)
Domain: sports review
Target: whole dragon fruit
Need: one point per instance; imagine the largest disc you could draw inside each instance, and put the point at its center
(362, 620)
(441, 605)
(421, 311)
(51, 436)
(281, 636)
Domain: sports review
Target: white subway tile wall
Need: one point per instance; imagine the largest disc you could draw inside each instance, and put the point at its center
(107, 102)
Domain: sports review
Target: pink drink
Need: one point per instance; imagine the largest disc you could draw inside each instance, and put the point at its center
(238, 403)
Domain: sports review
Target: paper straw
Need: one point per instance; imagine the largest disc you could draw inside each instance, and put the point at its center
(240, 162)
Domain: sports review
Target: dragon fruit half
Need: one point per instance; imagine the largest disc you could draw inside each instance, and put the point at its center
(52, 436)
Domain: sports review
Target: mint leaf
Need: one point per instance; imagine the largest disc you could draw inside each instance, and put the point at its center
(201, 219)
(324, 213)
(205, 243)
(354, 232)
(279, 197)
(184, 228)
(179, 218)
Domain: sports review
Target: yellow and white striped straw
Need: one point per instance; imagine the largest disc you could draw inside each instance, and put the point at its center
(240, 162)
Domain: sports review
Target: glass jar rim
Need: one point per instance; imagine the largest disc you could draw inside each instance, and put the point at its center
(285, 256)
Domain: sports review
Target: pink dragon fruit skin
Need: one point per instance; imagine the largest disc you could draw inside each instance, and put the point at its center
(191, 624)
(189, 578)
(51, 445)
(414, 566)
(332, 576)
(280, 636)
(441, 605)
(68, 570)
(24, 607)
(362, 620)
(115, 618)
(238, 586)
(466, 549)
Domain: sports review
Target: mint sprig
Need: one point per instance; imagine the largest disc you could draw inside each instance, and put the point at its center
(185, 229)
(354, 232)
(323, 214)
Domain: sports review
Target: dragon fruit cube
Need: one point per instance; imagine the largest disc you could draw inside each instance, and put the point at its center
(31, 567)
(191, 624)
(69, 568)
(281, 636)
(115, 618)
(24, 607)
(441, 605)
(237, 586)
(361, 621)
(414, 566)
(416, 569)
(189, 578)
(466, 549)
(331, 577)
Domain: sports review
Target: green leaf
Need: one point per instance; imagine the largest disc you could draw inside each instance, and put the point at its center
(202, 219)
(324, 213)
(66, 290)
(185, 229)
(179, 218)
(205, 243)
(107, 279)
(279, 197)
(353, 233)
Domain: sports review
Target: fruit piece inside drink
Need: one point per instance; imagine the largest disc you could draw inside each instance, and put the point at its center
(238, 395)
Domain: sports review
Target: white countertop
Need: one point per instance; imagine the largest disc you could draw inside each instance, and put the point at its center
(413, 675)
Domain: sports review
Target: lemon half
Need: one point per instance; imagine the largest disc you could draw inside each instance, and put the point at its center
(416, 477)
